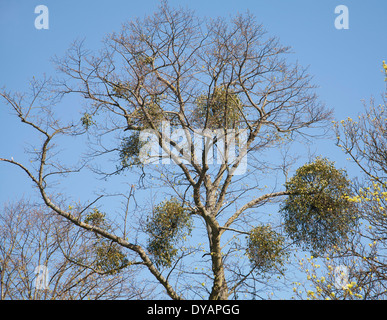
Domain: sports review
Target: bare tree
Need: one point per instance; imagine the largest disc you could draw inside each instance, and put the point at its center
(357, 270)
(224, 81)
(42, 256)
(364, 140)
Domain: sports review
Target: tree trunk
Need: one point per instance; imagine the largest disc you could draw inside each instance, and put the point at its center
(219, 289)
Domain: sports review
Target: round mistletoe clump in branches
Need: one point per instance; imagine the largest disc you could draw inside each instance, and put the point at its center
(169, 223)
(108, 256)
(318, 213)
(129, 151)
(265, 249)
(221, 109)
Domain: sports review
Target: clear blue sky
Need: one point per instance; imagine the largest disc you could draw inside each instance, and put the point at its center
(346, 64)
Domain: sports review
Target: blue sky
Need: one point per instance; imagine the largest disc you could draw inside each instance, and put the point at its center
(346, 64)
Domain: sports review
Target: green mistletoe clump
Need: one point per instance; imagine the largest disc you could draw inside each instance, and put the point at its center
(265, 249)
(169, 223)
(317, 213)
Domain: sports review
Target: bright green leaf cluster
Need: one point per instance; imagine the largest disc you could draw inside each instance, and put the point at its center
(149, 112)
(95, 218)
(129, 151)
(317, 213)
(87, 120)
(265, 249)
(110, 259)
(108, 255)
(169, 223)
(223, 109)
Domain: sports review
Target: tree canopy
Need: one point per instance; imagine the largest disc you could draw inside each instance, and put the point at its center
(174, 81)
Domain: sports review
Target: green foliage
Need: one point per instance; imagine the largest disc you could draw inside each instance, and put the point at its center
(145, 60)
(108, 257)
(120, 89)
(265, 249)
(317, 213)
(129, 151)
(148, 111)
(151, 112)
(170, 223)
(87, 120)
(95, 218)
(223, 109)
